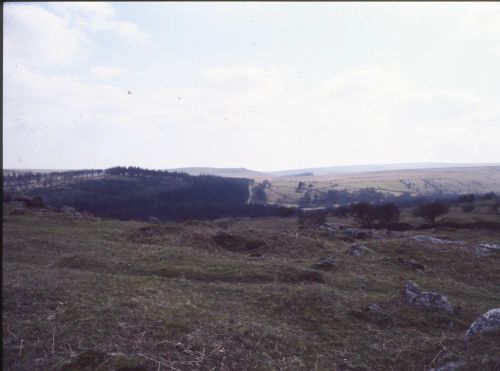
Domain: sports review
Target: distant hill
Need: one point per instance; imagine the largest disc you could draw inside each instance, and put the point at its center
(352, 169)
(417, 182)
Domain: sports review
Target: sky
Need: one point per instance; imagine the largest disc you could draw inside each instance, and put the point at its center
(266, 86)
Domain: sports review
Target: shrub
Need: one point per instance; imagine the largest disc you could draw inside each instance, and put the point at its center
(311, 218)
(363, 212)
(467, 208)
(495, 207)
(466, 198)
(432, 211)
(386, 213)
(7, 197)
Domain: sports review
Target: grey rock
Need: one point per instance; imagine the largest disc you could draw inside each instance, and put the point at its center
(377, 314)
(154, 220)
(487, 322)
(358, 250)
(416, 297)
(325, 263)
(375, 308)
(68, 209)
(434, 240)
(412, 264)
(450, 366)
(346, 231)
(487, 249)
(356, 233)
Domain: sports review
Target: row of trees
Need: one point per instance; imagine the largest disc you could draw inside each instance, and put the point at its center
(369, 215)
(135, 193)
(21, 181)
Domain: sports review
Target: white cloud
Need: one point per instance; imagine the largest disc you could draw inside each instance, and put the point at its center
(100, 17)
(105, 73)
(262, 116)
(84, 8)
(35, 36)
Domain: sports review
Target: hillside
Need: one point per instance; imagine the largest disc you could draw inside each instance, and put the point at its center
(357, 169)
(140, 194)
(283, 190)
(260, 294)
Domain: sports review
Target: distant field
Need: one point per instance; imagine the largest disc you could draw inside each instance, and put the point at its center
(416, 182)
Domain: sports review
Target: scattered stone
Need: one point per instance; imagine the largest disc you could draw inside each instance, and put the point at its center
(416, 297)
(450, 366)
(412, 264)
(377, 314)
(358, 250)
(325, 263)
(68, 209)
(487, 322)
(487, 249)
(434, 240)
(346, 232)
(154, 220)
(357, 233)
(375, 308)
(18, 211)
(361, 284)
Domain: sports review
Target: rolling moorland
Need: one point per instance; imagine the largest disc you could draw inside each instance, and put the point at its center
(415, 179)
(287, 292)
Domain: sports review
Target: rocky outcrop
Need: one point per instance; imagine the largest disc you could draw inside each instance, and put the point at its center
(416, 297)
(487, 322)
(487, 249)
(450, 366)
(71, 213)
(358, 250)
(411, 264)
(434, 240)
(347, 232)
(68, 209)
(154, 220)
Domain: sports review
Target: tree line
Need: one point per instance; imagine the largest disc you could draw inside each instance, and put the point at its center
(135, 193)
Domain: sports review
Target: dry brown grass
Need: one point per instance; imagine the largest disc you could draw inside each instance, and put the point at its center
(171, 297)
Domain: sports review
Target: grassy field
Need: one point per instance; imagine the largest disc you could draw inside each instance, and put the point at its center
(235, 295)
(416, 182)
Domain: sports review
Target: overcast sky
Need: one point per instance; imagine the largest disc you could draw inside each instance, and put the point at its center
(265, 86)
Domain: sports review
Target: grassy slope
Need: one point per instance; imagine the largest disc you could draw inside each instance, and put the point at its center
(416, 182)
(170, 297)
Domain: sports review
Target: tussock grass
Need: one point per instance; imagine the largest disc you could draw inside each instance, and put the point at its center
(169, 297)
